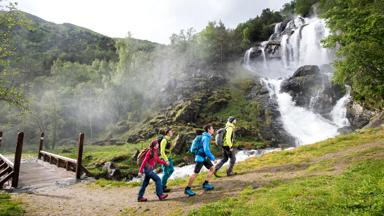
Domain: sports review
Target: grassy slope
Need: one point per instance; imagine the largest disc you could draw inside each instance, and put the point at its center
(342, 176)
(8, 206)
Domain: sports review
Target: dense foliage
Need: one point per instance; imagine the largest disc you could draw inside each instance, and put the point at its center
(259, 28)
(10, 19)
(358, 28)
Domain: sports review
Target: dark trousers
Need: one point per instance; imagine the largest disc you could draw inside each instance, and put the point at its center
(149, 174)
(227, 154)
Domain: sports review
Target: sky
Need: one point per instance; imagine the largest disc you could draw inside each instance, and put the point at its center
(154, 20)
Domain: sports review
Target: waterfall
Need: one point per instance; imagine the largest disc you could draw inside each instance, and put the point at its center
(300, 44)
(339, 112)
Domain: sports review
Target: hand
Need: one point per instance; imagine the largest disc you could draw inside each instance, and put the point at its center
(167, 163)
(139, 174)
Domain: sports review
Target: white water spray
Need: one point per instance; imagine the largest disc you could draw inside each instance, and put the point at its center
(302, 47)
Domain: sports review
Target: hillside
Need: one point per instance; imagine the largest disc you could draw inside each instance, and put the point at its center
(41, 43)
(342, 175)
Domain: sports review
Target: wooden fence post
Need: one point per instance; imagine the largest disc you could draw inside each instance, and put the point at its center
(41, 145)
(16, 166)
(80, 156)
(1, 137)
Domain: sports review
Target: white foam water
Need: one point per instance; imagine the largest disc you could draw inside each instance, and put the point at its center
(303, 47)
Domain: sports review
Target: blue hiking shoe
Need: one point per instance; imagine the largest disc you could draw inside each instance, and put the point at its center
(189, 192)
(207, 186)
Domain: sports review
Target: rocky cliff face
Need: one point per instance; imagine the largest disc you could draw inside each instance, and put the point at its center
(313, 90)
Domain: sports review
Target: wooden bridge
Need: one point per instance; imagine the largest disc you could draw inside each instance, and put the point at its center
(46, 169)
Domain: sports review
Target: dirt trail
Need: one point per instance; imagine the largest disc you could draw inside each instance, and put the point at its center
(82, 199)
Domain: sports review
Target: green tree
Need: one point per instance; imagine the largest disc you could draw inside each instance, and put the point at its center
(9, 20)
(358, 31)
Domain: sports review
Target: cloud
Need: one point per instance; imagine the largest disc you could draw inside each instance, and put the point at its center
(154, 20)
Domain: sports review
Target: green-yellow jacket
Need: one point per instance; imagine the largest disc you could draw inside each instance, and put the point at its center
(165, 148)
(229, 135)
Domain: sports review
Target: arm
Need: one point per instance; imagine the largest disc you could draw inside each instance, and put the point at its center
(158, 160)
(207, 151)
(228, 136)
(146, 158)
(162, 149)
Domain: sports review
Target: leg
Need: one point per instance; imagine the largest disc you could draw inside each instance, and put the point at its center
(224, 160)
(198, 167)
(157, 180)
(167, 171)
(208, 164)
(191, 179)
(231, 162)
(144, 185)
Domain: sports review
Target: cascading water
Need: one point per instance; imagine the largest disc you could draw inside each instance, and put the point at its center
(302, 47)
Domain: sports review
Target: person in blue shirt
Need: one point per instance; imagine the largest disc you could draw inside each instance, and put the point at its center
(203, 158)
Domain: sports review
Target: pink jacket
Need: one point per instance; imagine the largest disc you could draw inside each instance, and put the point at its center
(151, 162)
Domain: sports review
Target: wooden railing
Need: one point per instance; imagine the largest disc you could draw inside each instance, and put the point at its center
(65, 162)
(9, 170)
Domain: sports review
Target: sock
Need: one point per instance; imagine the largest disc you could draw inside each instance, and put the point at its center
(206, 182)
(187, 188)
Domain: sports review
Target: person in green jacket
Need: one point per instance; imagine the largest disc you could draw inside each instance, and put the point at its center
(165, 154)
(228, 150)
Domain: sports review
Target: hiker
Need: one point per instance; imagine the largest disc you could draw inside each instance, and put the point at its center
(165, 154)
(203, 157)
(228, 150)
(148, 165)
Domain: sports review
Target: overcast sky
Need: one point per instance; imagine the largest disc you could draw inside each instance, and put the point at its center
(153, 20)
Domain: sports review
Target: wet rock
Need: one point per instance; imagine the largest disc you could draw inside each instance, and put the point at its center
(183, 142)
(313, 90)
(133, 139)
(345, 130)
(111, 170)
(270, 127)
(377, 121)
(357, 115)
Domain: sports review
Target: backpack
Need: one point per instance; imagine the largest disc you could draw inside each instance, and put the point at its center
(219, 138)
(141, 156)
(197, 145)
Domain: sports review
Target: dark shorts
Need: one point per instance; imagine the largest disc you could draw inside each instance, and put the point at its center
(207, 163)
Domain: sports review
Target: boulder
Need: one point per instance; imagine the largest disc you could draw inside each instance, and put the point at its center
(377, 121)
(357, 115)
(313, 90)
(183, 142)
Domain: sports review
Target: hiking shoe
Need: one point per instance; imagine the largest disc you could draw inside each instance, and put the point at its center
(231, 174)
(189, 192)
(141, 199)
(207, 186)
(163, 196)
(166, 190)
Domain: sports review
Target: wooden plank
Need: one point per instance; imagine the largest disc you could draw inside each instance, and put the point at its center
(5, 171)
(5, 179)
(17, 161)
(10, 163)
(41, 144)
(59, 157)
(80, 156)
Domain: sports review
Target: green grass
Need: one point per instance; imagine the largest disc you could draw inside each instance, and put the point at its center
(306, 153)
(95, 156)
(9, 207)
(358, 191)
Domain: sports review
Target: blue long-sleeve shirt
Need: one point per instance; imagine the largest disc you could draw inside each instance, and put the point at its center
(206, 139)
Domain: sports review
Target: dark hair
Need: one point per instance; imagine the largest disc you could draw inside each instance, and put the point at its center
(167, 131)
(153, 144)
(207, 127)
(199, 132)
